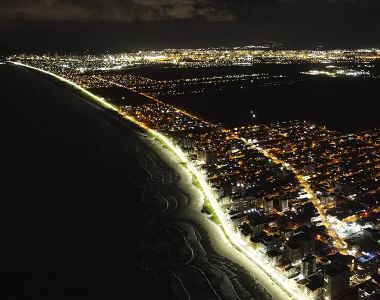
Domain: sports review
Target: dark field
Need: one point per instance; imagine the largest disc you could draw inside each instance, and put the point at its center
(120, 96)
(347, 104)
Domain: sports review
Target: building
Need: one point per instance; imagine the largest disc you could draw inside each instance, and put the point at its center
(284, 204)
(242, 203)
(268, 206)
(367, 265)
(188, 143)
(266, 242)
(293, 251)
(327, 199)
(272, 242)
(274, 256)
(308, 169)
(260, 203)
(290, 271)
(299, 246)
(309, 266)
(341, 259)
(336, 281)
(314, 287)
(286, 233)
(208, 156)
(346, 187)
(258, 221)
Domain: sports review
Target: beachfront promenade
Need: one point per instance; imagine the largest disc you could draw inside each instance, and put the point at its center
(225, 238)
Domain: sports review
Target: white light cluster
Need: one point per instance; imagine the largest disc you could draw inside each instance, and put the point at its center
(344, 229)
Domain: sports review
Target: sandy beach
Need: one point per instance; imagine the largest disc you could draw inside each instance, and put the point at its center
(215, 235)
(175, 203)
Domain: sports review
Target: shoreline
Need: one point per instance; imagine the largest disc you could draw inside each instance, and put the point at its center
(215, 237)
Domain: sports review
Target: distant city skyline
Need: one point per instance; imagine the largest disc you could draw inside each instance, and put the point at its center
(100, 26)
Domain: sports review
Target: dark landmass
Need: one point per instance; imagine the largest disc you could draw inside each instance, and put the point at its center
(120, 96)
(347, 104)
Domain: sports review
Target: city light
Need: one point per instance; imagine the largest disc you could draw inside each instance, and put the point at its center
(254, 177)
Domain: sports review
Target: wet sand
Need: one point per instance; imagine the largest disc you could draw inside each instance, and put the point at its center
(213, 236)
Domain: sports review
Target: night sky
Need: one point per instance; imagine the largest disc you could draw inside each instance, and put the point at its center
(42, 26)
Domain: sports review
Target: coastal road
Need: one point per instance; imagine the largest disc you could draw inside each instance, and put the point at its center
(232, 246)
